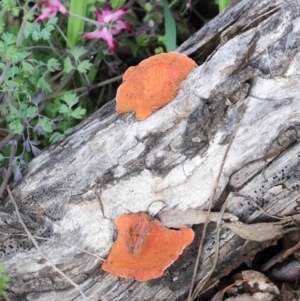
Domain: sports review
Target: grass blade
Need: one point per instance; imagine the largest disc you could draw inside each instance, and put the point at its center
(170, 28)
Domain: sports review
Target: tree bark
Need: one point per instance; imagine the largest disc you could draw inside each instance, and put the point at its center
(240, 107)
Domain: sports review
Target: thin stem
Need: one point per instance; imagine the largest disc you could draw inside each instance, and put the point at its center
(63, 35)
(194, 293)
(83, 89)
(2, 77)
(84, 18)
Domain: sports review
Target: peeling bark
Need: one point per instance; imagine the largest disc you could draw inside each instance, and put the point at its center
(112, 165)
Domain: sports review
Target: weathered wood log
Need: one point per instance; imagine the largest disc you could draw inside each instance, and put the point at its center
(244, 99)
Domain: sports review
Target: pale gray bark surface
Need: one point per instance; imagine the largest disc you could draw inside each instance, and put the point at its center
(112, 165)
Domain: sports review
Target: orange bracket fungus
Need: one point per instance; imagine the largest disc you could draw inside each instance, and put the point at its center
(153, 83)
(144, 247)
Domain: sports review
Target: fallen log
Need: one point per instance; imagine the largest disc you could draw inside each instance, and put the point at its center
(237, 115)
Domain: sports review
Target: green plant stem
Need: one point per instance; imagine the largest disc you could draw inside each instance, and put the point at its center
(6, 140)
(18, 42)
(6, 68)
(63, 35)
(22, 28)
(81, 89)
(84, 18)
(56, 76)
(91, 87)
(199, 16)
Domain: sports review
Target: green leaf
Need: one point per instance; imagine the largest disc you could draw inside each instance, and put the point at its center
(65, 110)
(52, 21)
(9, 84)
(12, 72)
(148, 7)
(56, 136)
(68, 67)
(32, 29)
(69, 131)
(9, 38)
(1, 26)
(84, 66)
(8, 4)
(75, 24)
(27, 67)
(31, 112)
(49, 26)
(46, 124)
(70, 99)
(142, 40)
(77, 52)
(3, 282)
(45, 33)
(158, 50)
(14, 54)
(53, 65)
(15, 11)
(2, 47)
(170, 28)
(1, 157)
(116, 4)
(44, 85)
(78, 113)
(16, 126)
(223, 4)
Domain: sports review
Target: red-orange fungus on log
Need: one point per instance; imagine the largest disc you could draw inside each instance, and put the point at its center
(144, 247)
(152, 84)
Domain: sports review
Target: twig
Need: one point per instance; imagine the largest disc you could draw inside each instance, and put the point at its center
(254, 204)
(39, 249)
(193, 293)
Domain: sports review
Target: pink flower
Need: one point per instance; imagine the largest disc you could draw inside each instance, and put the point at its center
(50, 9)
(111, 25)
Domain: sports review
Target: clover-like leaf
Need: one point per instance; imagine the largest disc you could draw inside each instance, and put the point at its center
(56, 137)
(45, 123)
(65, 110)
(77, 52)
(68, 67)
(16, 126)
(70, 99)
(31, 112)
(53, 65)
(78, 113)
(84, 66)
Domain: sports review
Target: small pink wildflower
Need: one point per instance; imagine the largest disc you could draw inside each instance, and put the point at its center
(111, 25)
(50, 9)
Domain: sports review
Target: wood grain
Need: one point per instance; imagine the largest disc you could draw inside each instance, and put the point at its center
(112, 165)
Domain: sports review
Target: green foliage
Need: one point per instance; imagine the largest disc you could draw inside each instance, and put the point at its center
(38, 32)
(81, 67)
(222, 4)
(8, 4)
(3, 278)
(116, 4)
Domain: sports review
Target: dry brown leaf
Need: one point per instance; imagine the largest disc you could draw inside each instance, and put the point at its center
(263, 231)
